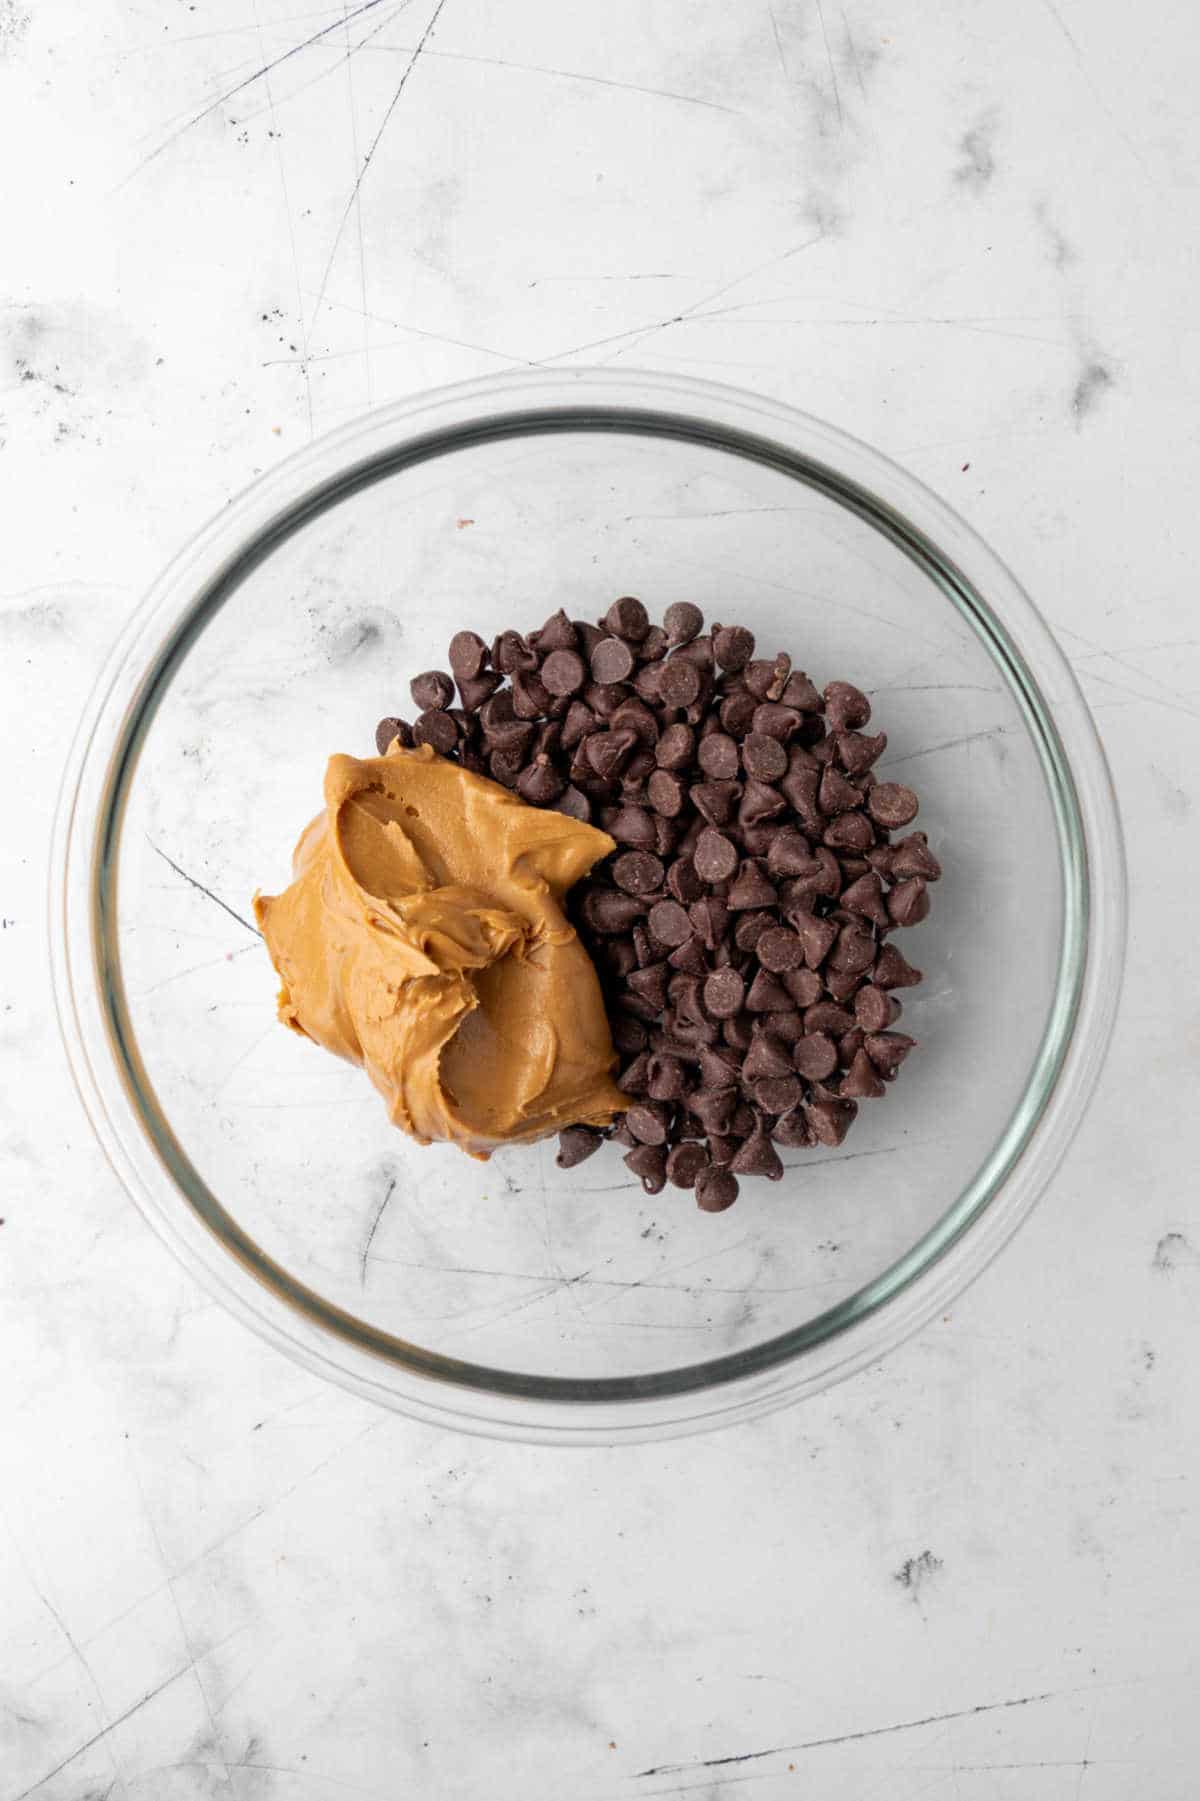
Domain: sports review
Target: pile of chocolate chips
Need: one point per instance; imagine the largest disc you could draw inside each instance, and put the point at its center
(742, 928)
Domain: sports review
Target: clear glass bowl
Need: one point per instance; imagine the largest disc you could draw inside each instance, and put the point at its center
(512, 1297)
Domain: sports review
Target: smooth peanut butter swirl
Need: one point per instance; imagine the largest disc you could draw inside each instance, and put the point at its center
(423, 937)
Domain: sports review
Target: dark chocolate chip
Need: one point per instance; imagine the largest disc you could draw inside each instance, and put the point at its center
(679, 682)
(892, 805)
(638, 872)
(718, 756)
(912, 856)
(815, 1056)
(767, 995)
(608, 912)
(649, 1163)
(635, 827)
(682, 622)
(432, 691)
(576, 1144)
(780, 949)
(724, 993)
(627, 618)
(860, 1082)
(733, 646)
(764, 758)
(846, 707)
(887, 1050)
(436, 728)
(716, 1189)
(892, 970)
(564, 672)
(685, 1163)
(778, 1094)
(612, 661)
(540, 783)
(758, 1157)
(510, 652)
(767, 1056)
(865, 896)
(388, 730)
(666, 792)
(715, 857)
(683, 882)
(670, 923)
(751, 889)
(676, 747)
(908, 902)
(829, 1119)
(468, 656)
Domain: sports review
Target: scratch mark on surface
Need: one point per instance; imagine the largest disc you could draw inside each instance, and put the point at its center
(195, 969)
(290, 217)
(388, 1192)
(332, 68)
(847, 1738)
(201, 889)
(411, 64)
(1094, 378)
(362, 247)
(239, 87)
(640, 333)
(102, 1734)
(1093, 90)
(779, 44)
(992, 731)
(837, 92)
(600, 81)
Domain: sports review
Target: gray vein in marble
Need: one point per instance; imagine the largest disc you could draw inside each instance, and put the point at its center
(976, 169)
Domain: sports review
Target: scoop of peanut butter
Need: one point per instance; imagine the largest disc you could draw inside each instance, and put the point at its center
(423, 937)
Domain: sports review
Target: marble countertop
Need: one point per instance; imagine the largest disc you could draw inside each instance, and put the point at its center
(967, 234)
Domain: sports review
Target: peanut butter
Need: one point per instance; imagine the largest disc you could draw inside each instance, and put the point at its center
(423, 937)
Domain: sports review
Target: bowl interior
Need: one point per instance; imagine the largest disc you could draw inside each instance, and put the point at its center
(515, 1265)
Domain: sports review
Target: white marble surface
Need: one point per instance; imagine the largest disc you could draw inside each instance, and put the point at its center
(964, 231)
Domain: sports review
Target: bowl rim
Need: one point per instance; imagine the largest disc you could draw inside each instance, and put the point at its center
(85, 956)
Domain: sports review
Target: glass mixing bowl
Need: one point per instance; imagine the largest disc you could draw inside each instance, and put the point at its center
(512, 1297)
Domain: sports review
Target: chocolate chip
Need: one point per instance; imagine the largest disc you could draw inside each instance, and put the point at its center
(767, 995)
(760, 803)
(758, 1157)
(638, 872)
(815, 1056)
(667, 1080)
(764, 758)
(860, 1081)
(607, 912)
(846, 707)
(893, 970)
(669, 923)
(873, 1009)
(679, 682)
(468, 656)
(437, 729)
(574, 804)
(612, 661)
(576, 1144)
(780, 949)
(648, 1121)
(887, 1050)
(849, 832)
(716, 1189)
(766, 1057)
(510, 652)
(865, 896)
(718, 756)
(856, 753)
(685, 885)
(792, 1130)
(666, 792)
(390, 729)
(892, 805)
(676, 747)
(733, 646)
(635, 827)
(908, 902)
(540, 783)
(827, 1016)
(836, 794)
(724, 993)
(912, 856)
(685, 1163)
(563, 672)
(627, 618)
(829, 1119)
(475, 690)
(803, 986)
(710, 920)
(649, 1164)
(771, 720)
(778, 1094)
(634, 1078)
(682, 622)
(751, 889)
(715, 857)
(432, 691)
